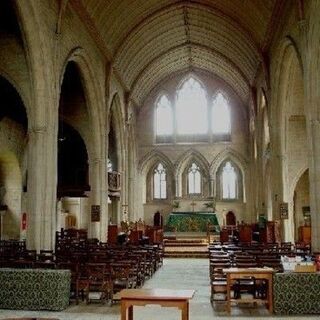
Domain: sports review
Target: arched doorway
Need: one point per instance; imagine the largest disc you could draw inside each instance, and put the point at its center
(73, 186)
(292, 134)
(13, 133)
(301, 207)
(117, 206)
(231, 219)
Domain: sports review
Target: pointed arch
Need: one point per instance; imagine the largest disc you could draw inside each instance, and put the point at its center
(92, 91)
(231, 154)
(181, 172)
(289, 126)
(153, 157)
(187, 158)
(229, 181)
(296, 179)
(240, 165)
(116, 121)
(147, 166)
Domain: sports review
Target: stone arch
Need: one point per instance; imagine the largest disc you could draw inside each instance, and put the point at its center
(14, 143)
(241, 165)
(11, 193)
(146, 166)
(188, 76)
(41, 78)
(301, 198)
(288, 115)
(116, 125)
(116, 118)
(153, 157)
(231, 154)
(19, 90)
(240, 189)
(181, 165)
(92, 94)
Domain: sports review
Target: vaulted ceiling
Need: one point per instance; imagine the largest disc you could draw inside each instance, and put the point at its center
(149, 40)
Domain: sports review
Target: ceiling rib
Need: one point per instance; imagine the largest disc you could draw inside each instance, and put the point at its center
(190, 45)
(81, 11)
(277, 12)
(196, 4)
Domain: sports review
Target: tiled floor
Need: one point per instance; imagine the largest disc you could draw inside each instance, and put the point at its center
(175, 274)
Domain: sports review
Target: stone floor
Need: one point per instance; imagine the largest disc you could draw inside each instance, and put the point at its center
(175, 274)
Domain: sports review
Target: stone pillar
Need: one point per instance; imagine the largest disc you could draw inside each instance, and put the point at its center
(95, 196)
(314, 178)
(310, 30)
(41, 203)
(211, 186)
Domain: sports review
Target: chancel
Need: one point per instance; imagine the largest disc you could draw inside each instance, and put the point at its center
(159, 145)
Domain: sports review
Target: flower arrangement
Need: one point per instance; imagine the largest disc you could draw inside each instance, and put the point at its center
(210, 204)
(176, 204)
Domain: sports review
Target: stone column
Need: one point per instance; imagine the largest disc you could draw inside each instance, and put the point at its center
(310, 30)
(314, 178)
(41, 203)
(95, 196)
(211, 186)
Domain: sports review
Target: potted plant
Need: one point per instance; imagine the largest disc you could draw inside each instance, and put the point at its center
(175, 205)
(210, 205)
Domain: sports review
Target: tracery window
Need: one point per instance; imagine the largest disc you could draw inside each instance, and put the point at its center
(164, 117)
(159, 182)
(194, 179)
(221, 120)
(191, 108)
(229, 182)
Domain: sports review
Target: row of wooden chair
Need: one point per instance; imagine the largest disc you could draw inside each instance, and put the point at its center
(95, 267)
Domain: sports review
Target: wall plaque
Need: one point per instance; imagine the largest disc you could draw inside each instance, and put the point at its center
(95, 213)
(284, 213)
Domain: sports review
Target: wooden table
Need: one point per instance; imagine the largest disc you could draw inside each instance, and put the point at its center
(163, 297)
(245, 273)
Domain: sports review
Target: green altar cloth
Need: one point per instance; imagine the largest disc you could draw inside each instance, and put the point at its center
(191, 221)
(34, 289)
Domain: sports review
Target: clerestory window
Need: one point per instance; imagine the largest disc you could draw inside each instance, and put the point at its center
(164, 117)
(221, 120)
(191, 108)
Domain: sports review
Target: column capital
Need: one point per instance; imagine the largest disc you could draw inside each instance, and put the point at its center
(96, 161)
(38, 129)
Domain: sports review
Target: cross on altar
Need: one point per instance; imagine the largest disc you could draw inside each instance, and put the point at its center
(193, 204)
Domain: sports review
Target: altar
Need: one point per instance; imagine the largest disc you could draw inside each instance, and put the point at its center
(191, 221)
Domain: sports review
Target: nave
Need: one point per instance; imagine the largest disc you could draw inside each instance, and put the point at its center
(174, 274)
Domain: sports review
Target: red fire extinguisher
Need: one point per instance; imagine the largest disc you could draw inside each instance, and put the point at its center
(24, 221)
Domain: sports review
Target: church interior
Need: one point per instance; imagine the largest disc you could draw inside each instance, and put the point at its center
(169, 144)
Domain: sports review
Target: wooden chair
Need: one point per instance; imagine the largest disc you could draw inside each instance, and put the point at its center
(99, 281)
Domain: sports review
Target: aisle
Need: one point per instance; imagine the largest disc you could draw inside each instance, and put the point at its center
(175, 274)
